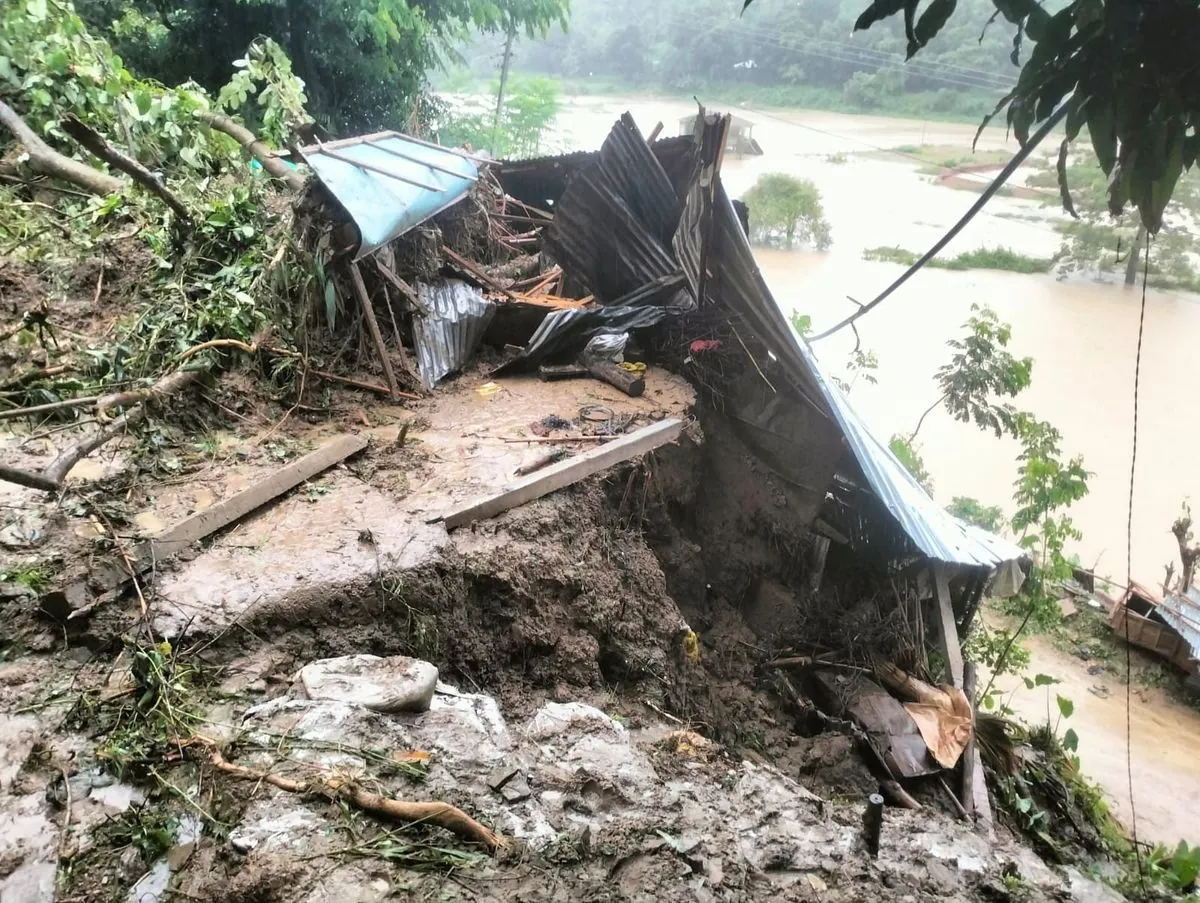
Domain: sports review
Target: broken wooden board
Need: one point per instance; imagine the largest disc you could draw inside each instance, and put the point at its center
(890, 729)
(947, 631)
(565, 473)
(108, 578)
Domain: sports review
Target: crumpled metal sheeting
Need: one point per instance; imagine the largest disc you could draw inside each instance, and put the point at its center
(611, 227)
(1182, 612)
(637, 176)
(578, 326)
(447, 338)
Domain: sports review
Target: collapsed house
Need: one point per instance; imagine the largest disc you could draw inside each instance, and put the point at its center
(1168, 626)
(637, 250)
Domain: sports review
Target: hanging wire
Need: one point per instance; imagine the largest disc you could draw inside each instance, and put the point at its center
(1137, 375)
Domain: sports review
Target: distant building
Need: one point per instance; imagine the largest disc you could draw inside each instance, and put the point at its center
(741, 135)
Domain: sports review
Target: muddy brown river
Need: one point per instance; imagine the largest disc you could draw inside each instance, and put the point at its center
(1082, 336)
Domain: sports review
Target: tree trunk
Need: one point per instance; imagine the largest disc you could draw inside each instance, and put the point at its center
(257, 149)
(508, 46)
(1135, 255)
(49, 162)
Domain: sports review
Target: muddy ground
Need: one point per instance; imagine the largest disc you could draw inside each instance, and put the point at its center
(649, 768)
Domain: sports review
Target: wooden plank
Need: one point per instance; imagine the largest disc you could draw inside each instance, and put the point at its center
(566, 473)
(222, 514)
(109, 577)
(947, 631)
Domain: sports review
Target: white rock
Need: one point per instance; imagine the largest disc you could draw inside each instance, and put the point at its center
(557, 718)
(395, 684)
(33, 882)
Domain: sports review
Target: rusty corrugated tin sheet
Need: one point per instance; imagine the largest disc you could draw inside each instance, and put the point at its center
(1182, 612)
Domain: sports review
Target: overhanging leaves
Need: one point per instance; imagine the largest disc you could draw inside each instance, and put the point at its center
(1134, 64)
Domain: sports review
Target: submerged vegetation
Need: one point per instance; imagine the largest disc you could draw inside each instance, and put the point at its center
(979, 259)
(786, 209)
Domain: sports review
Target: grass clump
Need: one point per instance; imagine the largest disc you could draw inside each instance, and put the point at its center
(998, 258)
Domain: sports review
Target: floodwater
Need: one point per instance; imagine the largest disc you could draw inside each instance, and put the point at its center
(1164, 738)
(1082, 336)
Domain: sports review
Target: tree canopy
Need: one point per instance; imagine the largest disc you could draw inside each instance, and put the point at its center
(363, 62)
(1124, 69)
(780, 52)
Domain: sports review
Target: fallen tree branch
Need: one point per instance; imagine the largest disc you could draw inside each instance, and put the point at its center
(34, 375)
(441, 814)
(52, 406)
(168, 385)
(255, 148)
(98, 145)
(47, 161)
(27, 478)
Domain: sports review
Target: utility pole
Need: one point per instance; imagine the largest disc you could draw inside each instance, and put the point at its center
(508, 46)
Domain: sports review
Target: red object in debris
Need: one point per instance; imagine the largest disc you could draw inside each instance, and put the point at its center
(704, 345)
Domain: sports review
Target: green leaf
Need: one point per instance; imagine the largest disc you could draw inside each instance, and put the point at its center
(1064, 190)
(879, 9)
(58, 61)
(1045, 680)
(1071, 740)
(1065, 706)
(933, 19)
(330, 305)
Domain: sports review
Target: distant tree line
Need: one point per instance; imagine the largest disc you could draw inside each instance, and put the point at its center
(778, 51)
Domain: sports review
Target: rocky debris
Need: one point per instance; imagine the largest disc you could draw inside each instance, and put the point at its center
(574, 776)
(393, 684)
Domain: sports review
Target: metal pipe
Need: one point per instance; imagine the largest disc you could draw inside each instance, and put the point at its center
(379, 169)
(412, 159)
(873, 823)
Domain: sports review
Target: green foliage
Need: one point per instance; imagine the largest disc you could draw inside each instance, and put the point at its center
(1099, 243)
(51, 66)
(997, 650)
(982, 369)
(998, 258)
(36, 576)
(801, 52)
(1046, 486)
(363, 63)
(988, 517)
(529, 109)
(1107, 64)
(281, 99)
(908, 454)
(802, 323)
(785, 209)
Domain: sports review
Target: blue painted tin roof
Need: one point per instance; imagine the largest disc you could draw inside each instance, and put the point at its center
(390, 182)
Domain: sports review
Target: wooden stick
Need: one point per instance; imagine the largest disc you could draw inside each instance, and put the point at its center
(400, 285)
(967, 787)
(99, 146)
(49, 162)
(373, 325)
(27, 478)
(897, 795)
(954, 801)
(53, 406)
(483, 278)
(442, 814)
(255, 148)
(34, 375)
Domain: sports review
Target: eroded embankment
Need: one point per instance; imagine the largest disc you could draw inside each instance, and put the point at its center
(570, 714)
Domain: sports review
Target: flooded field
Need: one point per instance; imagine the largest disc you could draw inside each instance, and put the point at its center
(1082, 336)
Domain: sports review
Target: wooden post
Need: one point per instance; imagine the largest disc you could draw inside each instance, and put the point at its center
(364, 299)
(947, 631)
(967, 790)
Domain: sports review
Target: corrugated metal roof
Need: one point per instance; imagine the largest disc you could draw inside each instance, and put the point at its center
(612, 226)
(448, 336)
(1182, 612)
(935, 531)
(737, 282)
(390, 182)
